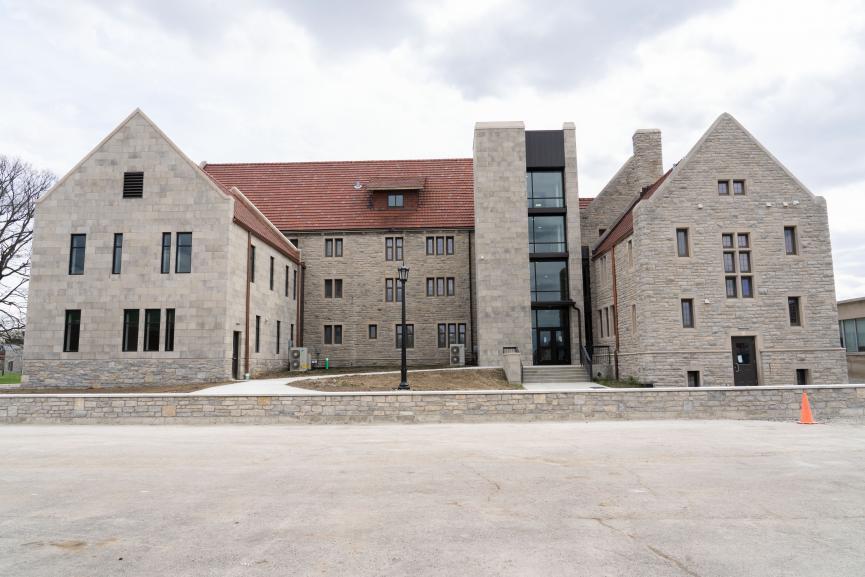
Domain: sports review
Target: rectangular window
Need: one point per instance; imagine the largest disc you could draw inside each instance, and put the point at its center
(328, 288)
(272, 265)
(398, 248)
(442, 336)
(693, 378)
(739, 187)
(388, 290)
(430, 245)
(451, 286)
(630, 254)
(388, 248)
(682, 241)
(790, 240)
(328, 334)
(688, 313)
(634, 318)
(166, 252)
(409, 338)
(461, 333)
(294, 285)
(372, 331)
(286, 281)
(744, 241)
(440, 245)
(117, 256)
(151, 329)
(848, 332)
(729, 262)
(547, 234)
(730, 284)
(430, 287)
(130, 330)
(328, 247)
(727, 240)
(548, 280)
(169, 330)
(449, 244)
(794, 311)
(607, 318)
(252, 263)
(440, 287)
(803, 377)
(337, 334)
(278, 335)
(337, 288)
(291, 333)
(747, 287)
(545, 189)
(133, 184)
(71, 331)
(77, 245)
(860, 334)
(183, 260)
(399, 287)
(452, 334)
(744, 261)
(724, 187)
(601, 322)
(257, 333)
(395, 200)
(337, 247)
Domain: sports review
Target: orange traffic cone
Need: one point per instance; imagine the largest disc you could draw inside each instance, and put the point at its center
(805, 417)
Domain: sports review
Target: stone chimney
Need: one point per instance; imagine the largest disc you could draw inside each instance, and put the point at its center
(649, 164)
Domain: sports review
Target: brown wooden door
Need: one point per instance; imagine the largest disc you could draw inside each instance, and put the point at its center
(744, 362)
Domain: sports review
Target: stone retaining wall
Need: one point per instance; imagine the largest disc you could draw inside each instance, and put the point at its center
(830, 403)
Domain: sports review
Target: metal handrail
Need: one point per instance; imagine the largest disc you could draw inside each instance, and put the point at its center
(586, 360)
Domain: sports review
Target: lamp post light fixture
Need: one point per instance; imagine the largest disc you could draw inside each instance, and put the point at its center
(403, 277)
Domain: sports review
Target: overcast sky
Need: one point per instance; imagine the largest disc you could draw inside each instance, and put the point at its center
(290, 80)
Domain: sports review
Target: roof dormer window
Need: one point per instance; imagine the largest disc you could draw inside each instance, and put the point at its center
(395, 200)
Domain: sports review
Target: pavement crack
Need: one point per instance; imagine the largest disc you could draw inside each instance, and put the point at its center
(495, 484)
(670, 559)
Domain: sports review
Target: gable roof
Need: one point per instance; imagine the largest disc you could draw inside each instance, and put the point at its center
(307, 196)
(624, 226)
(585, 202)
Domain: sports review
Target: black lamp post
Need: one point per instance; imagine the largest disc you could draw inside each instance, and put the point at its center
(403, 277)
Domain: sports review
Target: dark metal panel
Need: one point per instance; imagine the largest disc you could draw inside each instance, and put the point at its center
(545, 149)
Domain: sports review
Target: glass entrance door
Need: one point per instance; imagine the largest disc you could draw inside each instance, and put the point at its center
(550, 337)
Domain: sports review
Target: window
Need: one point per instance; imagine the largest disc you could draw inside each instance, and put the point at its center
(278, 335)
(76, 253)
(440, 245)
(328, 247)
(395, 200)
(634, 318)
(548, 280)
(151, 329)
(853, 335)
(328, 288)
(545, 189)
(790, 240)
(430, 287)
(461, 333)
(724, 187)
(71, 331)
(337, 247)
(601, 322)
(333, 334)
(794, 311)
(727, 240)
(272, 264)
(601, 232)
(688, 313)
(747, 287)
(257, 333)
(337, 288)
(409, 336)
(252, 263)
(372, 332)
(630, 254)
(452, 334)
(547, 234)
(133, 184)
(451, 289)
(294, 285)
(183, 260)
(169, 329)
(388, 290)
(430, 245)
(744, 241)
(744, 261)
(607, 317)
(682, 241)
(693, 378)
(388, 248)
(442, 336)
(166, 252)
(393, 248)
(130, 330)
(286, 281)
(291, 334)
(440, 286)
(729, 262)
(333, 247)
(449, 245)
(730, 285)
(739, 187)
(399, 287)
(803, 377)
(117, 256)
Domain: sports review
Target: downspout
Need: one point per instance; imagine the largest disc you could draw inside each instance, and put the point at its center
(471, 302)
(615, 310)
(248, 282)
(301, 292)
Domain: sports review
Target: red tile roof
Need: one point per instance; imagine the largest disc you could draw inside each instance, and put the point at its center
(249, 217)
(322, 196)
(585, 202)
(624, 227)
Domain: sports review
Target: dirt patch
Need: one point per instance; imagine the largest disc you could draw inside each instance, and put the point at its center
(461, 380)
(108, 390)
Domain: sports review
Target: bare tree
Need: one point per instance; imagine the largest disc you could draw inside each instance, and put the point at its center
(20, 186)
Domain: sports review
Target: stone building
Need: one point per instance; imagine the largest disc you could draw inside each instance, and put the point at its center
(851, 316)
(715, 272)
(147, 271)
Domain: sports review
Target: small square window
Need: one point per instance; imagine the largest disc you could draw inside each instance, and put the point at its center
(803, 377)
(395, 200)
(738, 187)
(693, 378)
(724, 187)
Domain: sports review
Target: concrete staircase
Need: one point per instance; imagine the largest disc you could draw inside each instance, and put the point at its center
(555, 374)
